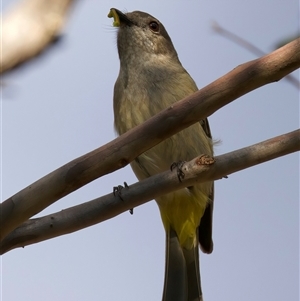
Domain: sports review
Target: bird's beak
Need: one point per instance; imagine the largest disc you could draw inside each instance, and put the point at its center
(119, 17)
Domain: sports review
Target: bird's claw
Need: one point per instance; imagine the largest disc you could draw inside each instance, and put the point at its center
(178, 165)
(117, 190)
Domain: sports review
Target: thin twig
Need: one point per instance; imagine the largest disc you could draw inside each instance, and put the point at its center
(247, 45)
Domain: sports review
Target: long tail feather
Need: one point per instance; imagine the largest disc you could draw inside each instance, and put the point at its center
(182, 274)
(175, 286)
(193, 273)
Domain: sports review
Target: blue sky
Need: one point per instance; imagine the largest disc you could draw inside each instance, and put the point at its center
(60, 107)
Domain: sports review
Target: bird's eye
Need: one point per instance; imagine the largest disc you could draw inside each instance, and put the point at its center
(154, 26)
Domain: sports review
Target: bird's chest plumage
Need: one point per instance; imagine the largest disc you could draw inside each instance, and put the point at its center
(145, 94)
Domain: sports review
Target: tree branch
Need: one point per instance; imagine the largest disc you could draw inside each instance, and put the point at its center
(98, 210)
(29, 28)
(119, 152)
(247, 45)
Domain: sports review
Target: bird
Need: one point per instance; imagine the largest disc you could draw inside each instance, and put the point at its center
(151, 78)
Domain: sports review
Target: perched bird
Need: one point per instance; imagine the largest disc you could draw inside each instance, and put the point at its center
(151, 79)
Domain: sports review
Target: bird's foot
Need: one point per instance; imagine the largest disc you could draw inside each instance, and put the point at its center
(178, 165)
(117, 190)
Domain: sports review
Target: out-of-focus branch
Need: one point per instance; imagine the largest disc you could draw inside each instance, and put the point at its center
(250, 47)
(29, 28)
(119, 152)
(198, 170)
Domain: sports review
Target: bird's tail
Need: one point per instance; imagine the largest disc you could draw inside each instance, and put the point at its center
(182, 275)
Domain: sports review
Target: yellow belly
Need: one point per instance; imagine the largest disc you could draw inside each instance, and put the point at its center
(182, 211)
